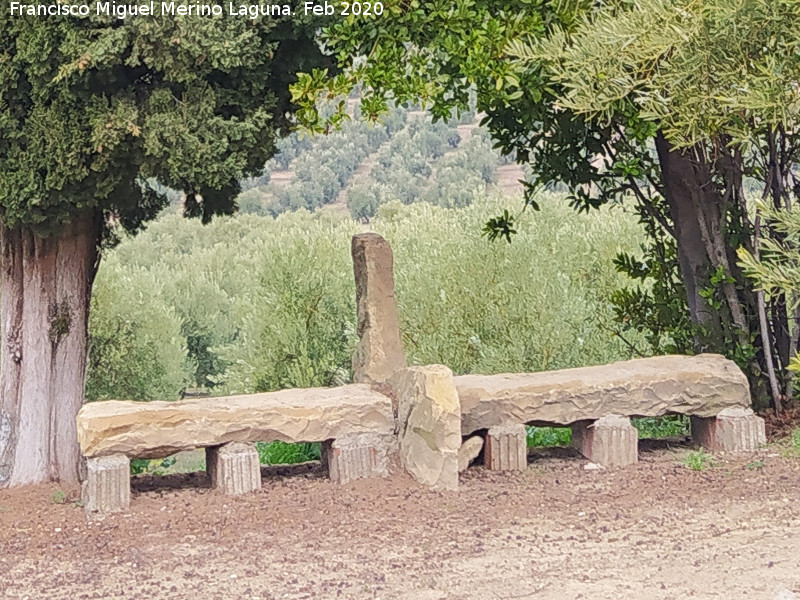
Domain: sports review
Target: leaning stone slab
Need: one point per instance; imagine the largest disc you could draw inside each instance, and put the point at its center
(611, 441)
(732, 430)
(429, 418)
(702, 385)
(357, 457)
(469, 451)
(107, 487)
(379, 352)
(234, 468)
(158, 429)
(506, 448)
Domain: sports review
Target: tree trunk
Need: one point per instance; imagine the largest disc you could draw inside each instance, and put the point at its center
(45, 289)
(683, 193)
(700, 214)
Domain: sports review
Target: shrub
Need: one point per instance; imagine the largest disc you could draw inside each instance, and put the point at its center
(267, 303)
(136, 349)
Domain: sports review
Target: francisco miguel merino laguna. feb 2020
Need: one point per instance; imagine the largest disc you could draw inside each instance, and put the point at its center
(123, 11)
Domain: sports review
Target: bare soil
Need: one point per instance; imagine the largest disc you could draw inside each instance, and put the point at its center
(508, 177)
(657, 530)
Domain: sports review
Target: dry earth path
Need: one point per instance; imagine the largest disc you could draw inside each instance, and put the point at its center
(558, 531)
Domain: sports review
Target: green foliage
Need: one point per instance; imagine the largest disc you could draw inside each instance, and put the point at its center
(656, 306)
(756, 465)
(777, 268)
(92, 108)
(698, 460)
(323, 166)
(427, 162)
(682, 67)
(662, 427)
(137, 350)
(274, 299)
(582, 91)
(141, 466)
(548, 437)
(364, 201)
(281, 453)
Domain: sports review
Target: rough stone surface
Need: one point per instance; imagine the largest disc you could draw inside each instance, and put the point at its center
(107, 487)
(157, 429)
(429, 418)
(469, 451)
(379, 352)
(506, 448)
(611, 441)
(700, 385)
(732, 430)
(357, 457)
(234, 468)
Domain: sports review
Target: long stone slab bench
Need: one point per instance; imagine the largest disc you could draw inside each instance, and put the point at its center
(598, 401)
(355, 423)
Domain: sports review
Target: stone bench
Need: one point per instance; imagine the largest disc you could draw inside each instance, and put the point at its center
(597, 402)
(354, 423)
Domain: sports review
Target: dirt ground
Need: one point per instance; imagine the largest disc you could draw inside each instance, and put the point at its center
(657, 530)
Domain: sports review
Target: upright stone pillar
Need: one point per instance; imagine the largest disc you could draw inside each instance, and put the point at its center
(379, 352)
(429, 418)
(610, 441)
(234, 468)
(107, 487)
(506, 448)
(735, 429)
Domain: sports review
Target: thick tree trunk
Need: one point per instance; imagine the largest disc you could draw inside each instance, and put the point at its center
(700, 214)
(683, 193)
(45, 289)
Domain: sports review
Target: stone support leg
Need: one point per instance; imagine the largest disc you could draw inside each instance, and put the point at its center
(234, 468)
(506, 448)
(107, 487)
(732, 430)
(356, 457)
(610, 441)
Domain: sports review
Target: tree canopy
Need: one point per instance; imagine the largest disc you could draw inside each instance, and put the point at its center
(93, 108)
(671, 106)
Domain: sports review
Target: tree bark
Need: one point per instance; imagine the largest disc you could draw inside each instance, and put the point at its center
(700, 213)
(45, 285)
(683, 193)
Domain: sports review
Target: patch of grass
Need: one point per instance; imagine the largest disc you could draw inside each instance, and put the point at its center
(546, 437)
(281, 453)
(662, 427)
(60, 497)
(699, 460)
(789, 447)
(153, 467)
(756, 464)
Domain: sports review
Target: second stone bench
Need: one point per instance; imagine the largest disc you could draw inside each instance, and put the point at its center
(597, 403)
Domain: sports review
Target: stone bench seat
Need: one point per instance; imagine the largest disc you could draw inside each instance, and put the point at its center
(355, 423)
(599, 400)
(158, 429)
